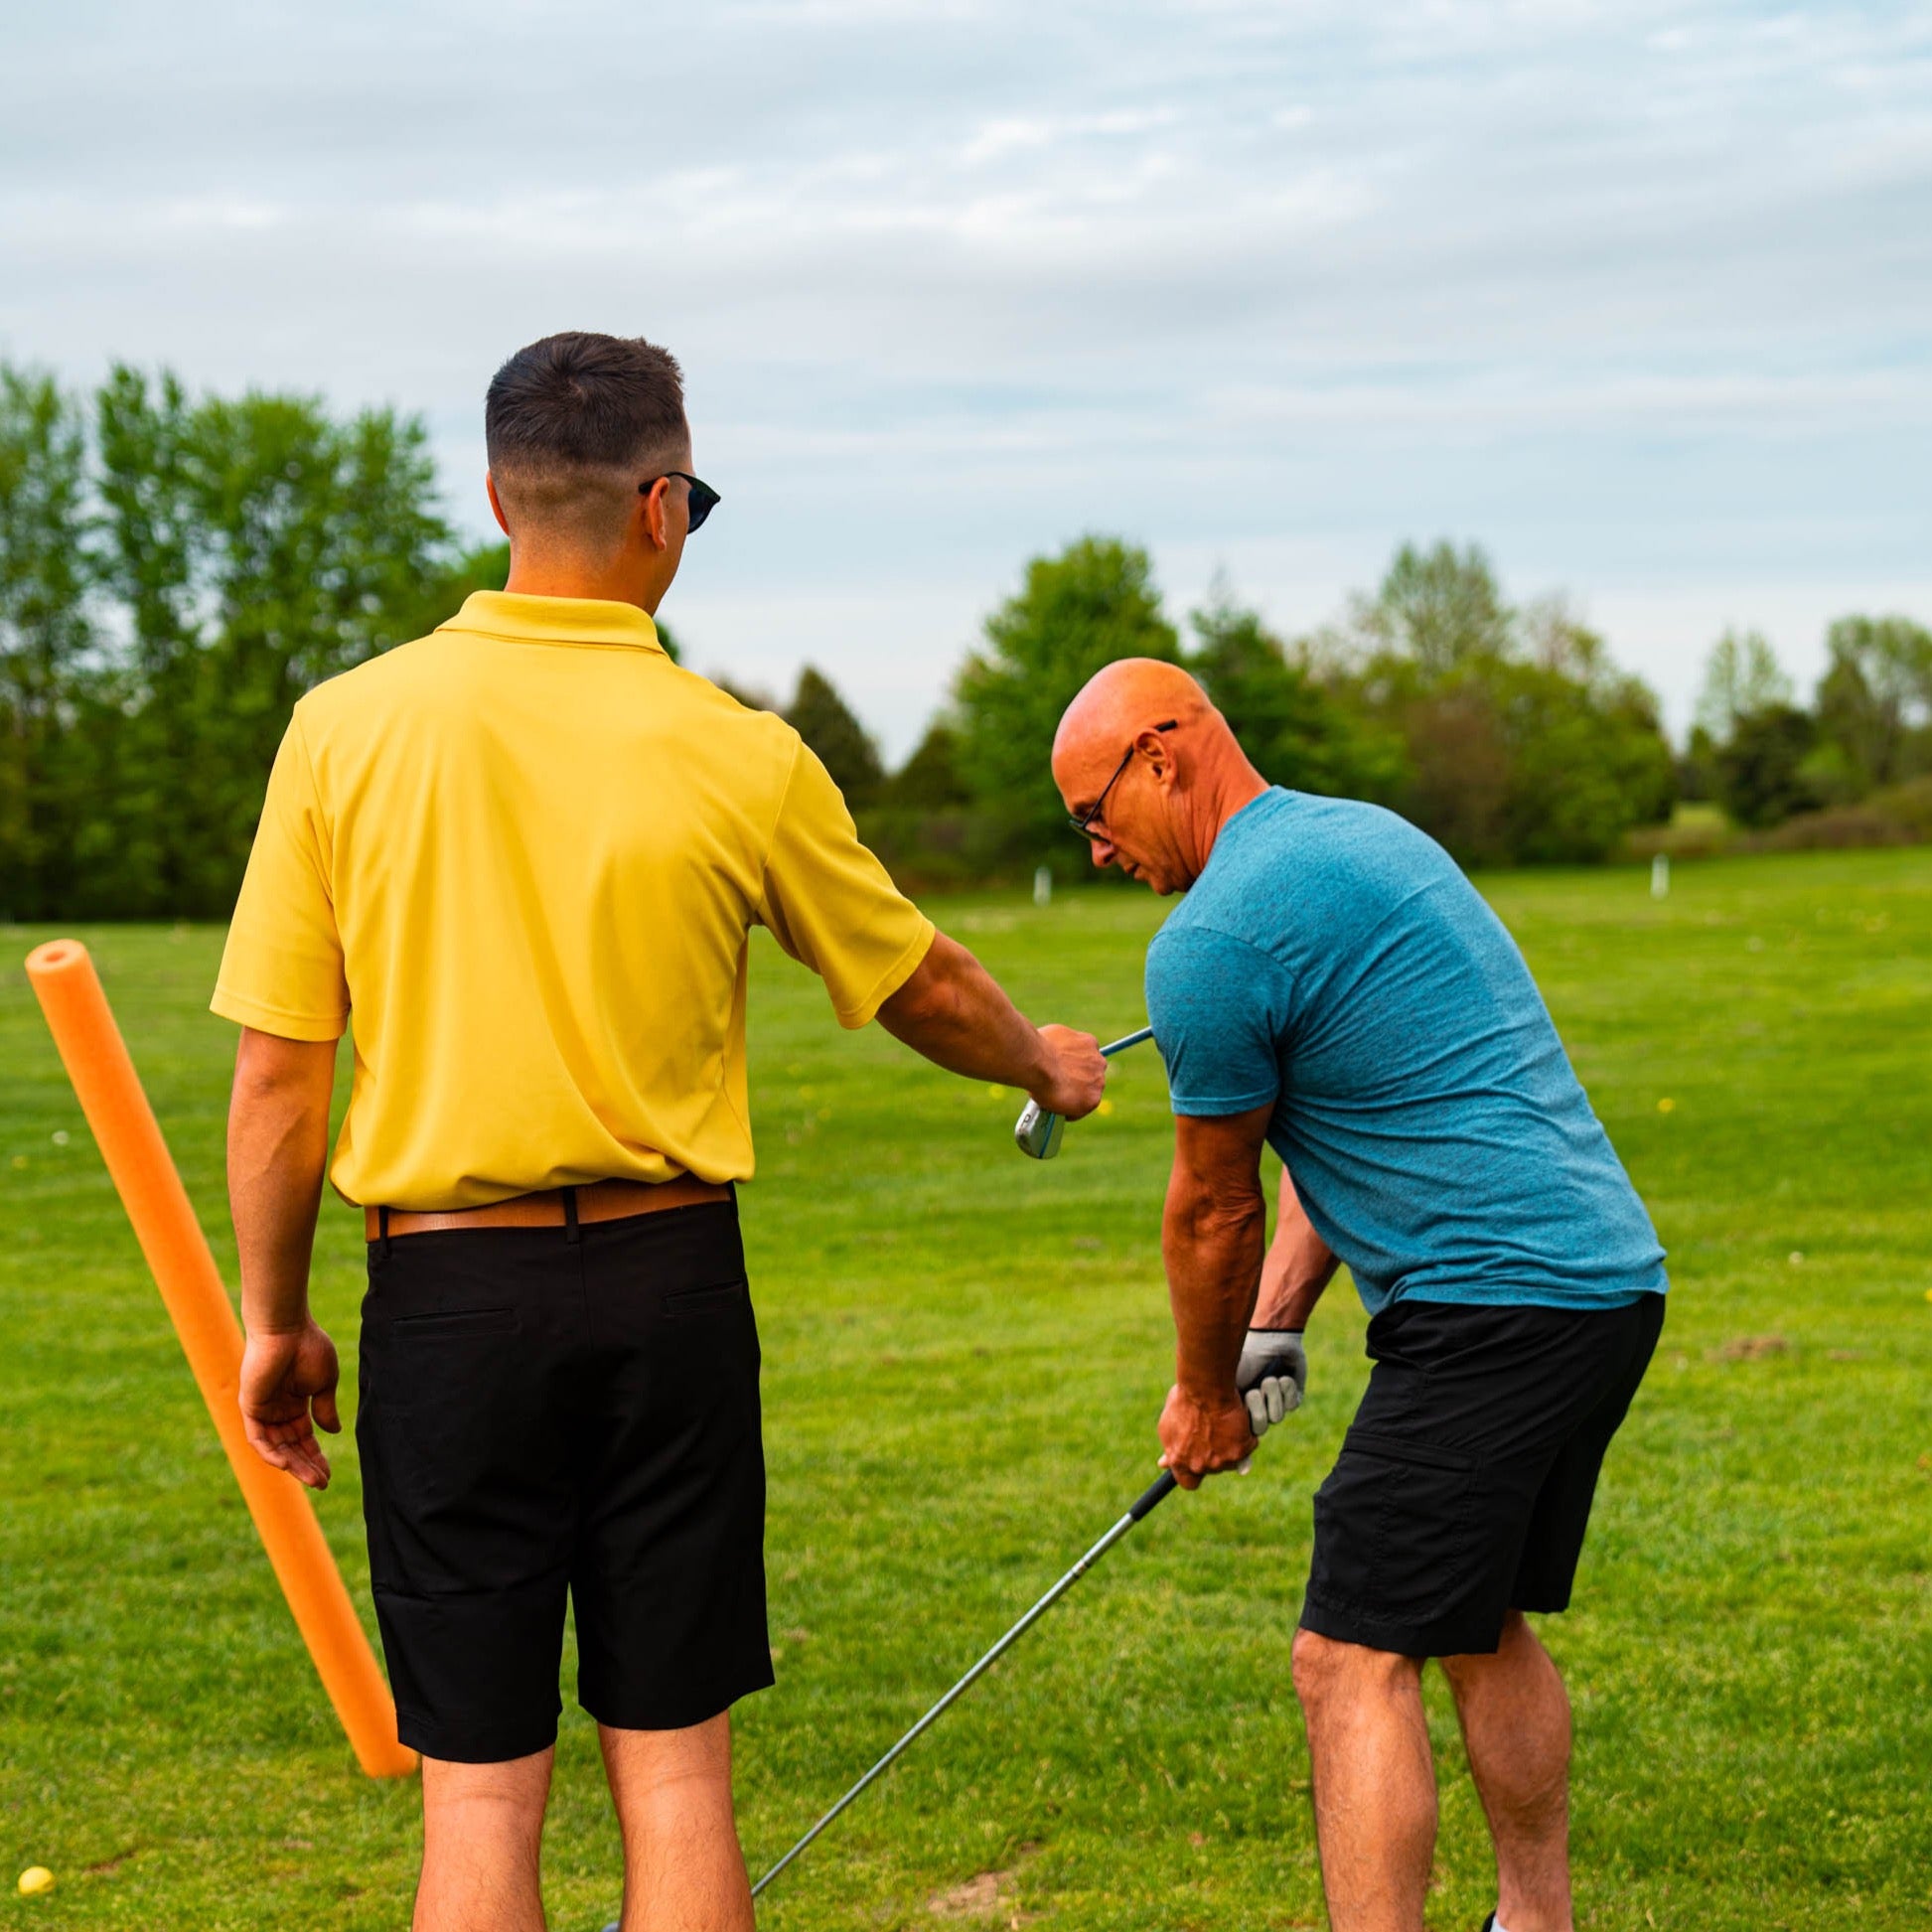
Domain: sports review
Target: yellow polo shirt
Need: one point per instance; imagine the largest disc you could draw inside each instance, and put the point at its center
(525, 852)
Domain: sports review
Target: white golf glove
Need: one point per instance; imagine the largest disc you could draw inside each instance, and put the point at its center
(1271, 1376)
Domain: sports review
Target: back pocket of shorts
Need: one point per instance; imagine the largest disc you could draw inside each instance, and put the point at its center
(715, 1298)
(454, 1323)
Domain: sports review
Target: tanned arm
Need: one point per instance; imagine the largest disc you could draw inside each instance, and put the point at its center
(278, 1146)
(1300, 1266)
(1213, 1237)
(953, 1012)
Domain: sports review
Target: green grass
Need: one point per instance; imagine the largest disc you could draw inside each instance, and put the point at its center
(964, 1355)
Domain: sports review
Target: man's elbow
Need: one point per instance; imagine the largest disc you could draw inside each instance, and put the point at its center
(930, 998)
(272, 1071)
(1215, 1211)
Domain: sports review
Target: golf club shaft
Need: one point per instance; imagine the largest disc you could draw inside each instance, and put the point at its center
(1156, 1493)
(1127, 1040)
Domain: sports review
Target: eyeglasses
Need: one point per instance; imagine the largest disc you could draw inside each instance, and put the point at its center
(1084, 821)
(704, 499)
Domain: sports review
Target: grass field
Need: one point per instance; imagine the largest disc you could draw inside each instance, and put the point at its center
(964, 1355)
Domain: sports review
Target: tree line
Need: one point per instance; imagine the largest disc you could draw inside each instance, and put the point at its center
(177, 569)
(1856, 762)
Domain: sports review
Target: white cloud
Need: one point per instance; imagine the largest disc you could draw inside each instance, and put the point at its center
(1634, 293)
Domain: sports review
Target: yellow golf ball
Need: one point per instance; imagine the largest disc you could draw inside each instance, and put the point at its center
(36, 1879)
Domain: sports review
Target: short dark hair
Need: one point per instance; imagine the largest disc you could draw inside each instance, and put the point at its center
(584, 401)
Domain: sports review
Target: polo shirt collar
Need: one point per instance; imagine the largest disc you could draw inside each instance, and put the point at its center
(555, 620)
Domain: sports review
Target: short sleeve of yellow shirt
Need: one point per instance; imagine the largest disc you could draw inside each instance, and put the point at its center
(525, 854)
(282, 972)
(830, 904)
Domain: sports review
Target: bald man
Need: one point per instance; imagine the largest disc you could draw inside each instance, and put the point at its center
(1333, 988)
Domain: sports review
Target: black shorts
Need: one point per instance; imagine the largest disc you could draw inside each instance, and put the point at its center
(1464, 1484)
(543, 1415)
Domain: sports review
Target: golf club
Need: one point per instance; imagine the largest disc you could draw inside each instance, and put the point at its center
(1038, 1132)
(1156, 1493)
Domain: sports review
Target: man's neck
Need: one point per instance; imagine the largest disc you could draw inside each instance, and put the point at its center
(551, 577)
(1232, 790)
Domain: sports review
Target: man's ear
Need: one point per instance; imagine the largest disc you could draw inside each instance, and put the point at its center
(1158, 750)
(655, 507)
(495, 503)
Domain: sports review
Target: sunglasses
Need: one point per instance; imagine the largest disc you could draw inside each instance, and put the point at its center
(1084, 821)
(704, 499)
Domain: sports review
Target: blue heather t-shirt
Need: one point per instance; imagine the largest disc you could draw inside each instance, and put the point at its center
(1333, 962)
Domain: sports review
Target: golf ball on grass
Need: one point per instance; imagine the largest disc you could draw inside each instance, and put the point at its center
(36, 1879)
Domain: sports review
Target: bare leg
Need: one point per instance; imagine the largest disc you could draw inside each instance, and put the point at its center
(1514, 1716)
(1375, 1781)
(483, 1834)
(682, 1869)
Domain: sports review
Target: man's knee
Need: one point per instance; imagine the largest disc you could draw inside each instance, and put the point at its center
(669, 1771)
(500, 1804)
(1325, 1669)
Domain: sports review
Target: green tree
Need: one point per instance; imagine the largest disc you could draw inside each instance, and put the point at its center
(255, 546)
(1761, 768)
(1094, 603)
(1439, 608)
(826, 724)
(47, 635)
(1292, 728)
(930, 779)
(1523, 741)
(1587, 760)
(1741, 676)
(1874, 701)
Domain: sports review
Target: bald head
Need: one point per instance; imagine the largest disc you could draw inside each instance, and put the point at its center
(1130, 696)
(1143, 744)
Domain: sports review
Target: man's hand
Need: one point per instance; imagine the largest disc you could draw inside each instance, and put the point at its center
(1272, 1374)
(285, 1379)
(1199, 1439)
(1076, 1077)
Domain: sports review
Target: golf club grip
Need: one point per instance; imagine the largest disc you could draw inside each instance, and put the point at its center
(1155, 1493)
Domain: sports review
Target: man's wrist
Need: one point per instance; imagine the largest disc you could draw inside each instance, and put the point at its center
(1210, 1391)
(276, 1320)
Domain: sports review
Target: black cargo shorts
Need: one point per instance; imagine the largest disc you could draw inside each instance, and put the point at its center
(1464, 1485)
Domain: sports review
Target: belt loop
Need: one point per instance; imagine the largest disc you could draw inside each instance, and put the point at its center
(382, 1226)
(571, 1232)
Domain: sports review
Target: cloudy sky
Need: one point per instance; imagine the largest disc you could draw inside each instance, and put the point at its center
(1639, 296)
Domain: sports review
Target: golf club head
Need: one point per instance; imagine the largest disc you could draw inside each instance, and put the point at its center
(1038, 1132)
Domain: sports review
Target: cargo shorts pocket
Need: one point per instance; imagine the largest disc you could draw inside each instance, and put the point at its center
(1393, 1528)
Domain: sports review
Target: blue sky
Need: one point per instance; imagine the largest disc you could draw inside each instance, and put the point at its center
(1639, 296)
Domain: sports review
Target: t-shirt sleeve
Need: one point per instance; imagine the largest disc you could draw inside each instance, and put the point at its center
(1220, 1009)
(282, 969)
(832, 905)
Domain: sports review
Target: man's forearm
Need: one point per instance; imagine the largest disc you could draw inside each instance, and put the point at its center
(1213, 1245)
(955, 1013)
(1300, 1266)
(278, 1147)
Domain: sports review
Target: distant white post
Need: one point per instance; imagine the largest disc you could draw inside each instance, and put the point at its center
(1659, 876)
(1043, 885)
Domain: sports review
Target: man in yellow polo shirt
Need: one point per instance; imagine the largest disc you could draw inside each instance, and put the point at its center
(525, 853)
